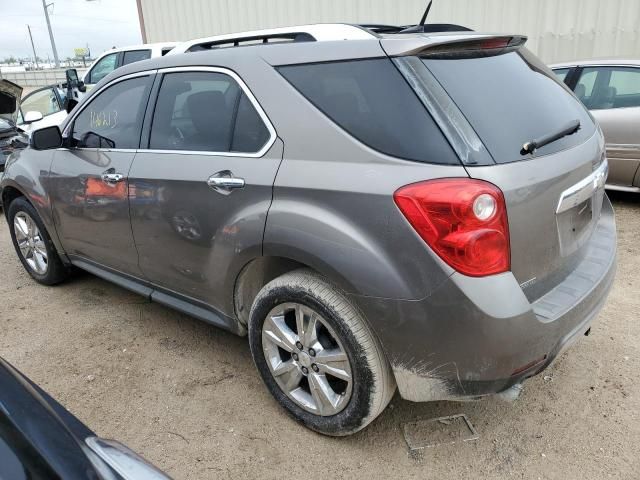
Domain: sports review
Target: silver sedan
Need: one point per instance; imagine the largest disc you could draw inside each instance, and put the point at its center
(611, 91)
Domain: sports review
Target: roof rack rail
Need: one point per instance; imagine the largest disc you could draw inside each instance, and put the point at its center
(301, 33)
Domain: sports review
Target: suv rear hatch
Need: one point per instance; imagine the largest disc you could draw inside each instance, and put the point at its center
(491, 98)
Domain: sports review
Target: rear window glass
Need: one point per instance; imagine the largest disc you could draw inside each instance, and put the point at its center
(512, 99)
(371, 101)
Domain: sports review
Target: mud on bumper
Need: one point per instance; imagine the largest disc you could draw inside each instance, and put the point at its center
(479, 336)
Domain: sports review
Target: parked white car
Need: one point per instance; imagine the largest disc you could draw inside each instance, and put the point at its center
(118, 57)
(41, 108)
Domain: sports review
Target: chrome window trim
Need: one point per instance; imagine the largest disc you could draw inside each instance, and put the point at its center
(584, 189)
(243, 86)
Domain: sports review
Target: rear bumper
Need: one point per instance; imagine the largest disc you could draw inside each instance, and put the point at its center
(479, 336)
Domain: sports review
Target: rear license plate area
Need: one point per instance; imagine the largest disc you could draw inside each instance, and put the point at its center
(575, 226)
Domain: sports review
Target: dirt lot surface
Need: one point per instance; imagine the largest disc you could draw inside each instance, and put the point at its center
(187, 397)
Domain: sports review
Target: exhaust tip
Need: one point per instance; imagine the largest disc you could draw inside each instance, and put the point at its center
(511, 394)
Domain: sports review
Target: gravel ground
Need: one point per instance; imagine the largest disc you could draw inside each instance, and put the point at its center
(187, 397)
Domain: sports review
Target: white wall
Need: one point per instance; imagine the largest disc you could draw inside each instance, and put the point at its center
(558, 30)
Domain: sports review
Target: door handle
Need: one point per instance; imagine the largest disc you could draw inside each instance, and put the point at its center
(111, 177)
(224, 182)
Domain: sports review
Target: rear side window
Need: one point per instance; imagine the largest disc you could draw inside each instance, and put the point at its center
(205, 111)
(610, 87)
(135, 56)
(512, 99)
(561, 73)
(371, 101)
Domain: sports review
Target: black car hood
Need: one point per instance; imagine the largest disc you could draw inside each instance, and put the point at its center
(10, 95)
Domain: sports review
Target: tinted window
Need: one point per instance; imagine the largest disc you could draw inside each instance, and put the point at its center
(610, 87)
(250, 133)
(45, 101)
(113, 118)
(200, 110)
(561, 73)
(135, 56)
(511, 99)
(372, 101)
(104, 67)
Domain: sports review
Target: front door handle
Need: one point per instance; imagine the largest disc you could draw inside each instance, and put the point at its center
(224, 182)
(111, 177)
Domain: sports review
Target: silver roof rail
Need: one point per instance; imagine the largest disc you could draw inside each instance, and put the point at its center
(301, 33)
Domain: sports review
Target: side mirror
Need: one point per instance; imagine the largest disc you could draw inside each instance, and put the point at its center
(32, 116)
(69, 104)
(81, 86)
(46, 138)
(72, 76)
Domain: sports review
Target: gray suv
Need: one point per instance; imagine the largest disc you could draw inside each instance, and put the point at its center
(424, 211)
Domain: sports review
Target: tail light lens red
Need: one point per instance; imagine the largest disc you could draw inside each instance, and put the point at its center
(463, 220)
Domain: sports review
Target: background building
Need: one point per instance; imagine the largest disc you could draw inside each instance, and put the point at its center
(558, 30)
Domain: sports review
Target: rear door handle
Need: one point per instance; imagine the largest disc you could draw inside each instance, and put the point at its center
(224, 182)
(111, 177)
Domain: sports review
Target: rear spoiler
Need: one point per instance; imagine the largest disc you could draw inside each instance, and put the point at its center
(451, 46)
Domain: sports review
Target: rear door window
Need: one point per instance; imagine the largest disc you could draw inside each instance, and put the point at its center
(205, 111)
(511, 99)
(610, 87)
(371, 101)
(135, 56)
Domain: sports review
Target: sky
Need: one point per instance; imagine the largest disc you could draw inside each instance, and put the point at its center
(100, 23)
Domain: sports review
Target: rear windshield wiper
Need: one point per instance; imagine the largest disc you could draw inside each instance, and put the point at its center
(530, 147)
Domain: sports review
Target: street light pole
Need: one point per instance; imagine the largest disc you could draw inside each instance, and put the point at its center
(53, 43)
(35, 57)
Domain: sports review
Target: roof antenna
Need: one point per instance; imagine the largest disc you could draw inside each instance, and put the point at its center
(426, 14)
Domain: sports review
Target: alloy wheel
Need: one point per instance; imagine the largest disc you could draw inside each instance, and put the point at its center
(306, 359)
(30, 243)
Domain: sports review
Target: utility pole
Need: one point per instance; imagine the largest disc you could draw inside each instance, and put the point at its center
(53, 43)
(35, 57)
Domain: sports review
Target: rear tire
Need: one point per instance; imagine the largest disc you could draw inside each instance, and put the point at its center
(348, 381)
(33, 244)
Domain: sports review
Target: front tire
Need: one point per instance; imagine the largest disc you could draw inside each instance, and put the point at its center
(317, 355)
(33, 244)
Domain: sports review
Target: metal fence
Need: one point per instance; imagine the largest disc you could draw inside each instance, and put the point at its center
(558, 30)
(37, 78)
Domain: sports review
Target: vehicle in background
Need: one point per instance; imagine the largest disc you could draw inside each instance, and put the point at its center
(424, 210)
(42, 108)
(610, 89)
(40, 439)
(119, 57)
(12, 138)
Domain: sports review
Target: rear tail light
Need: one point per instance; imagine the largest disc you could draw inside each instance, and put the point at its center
(463, 220)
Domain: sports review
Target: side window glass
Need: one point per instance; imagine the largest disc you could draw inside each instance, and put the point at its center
(250, 133)
(104, 67)
(113, 119)
(625, 87)
(199, 111)
(135, 56)
(586, 84)
(561, 74)
(45, 101)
